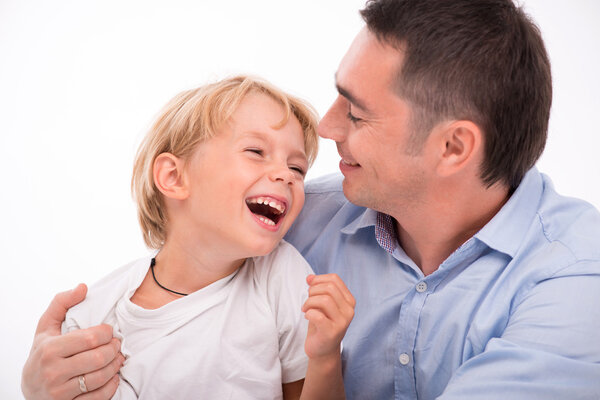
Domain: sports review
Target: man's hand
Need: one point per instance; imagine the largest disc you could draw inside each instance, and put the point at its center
(56, 361)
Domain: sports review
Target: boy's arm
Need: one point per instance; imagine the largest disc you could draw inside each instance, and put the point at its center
(329, 310)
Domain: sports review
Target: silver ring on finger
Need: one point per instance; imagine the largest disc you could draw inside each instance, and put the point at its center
(82, 386)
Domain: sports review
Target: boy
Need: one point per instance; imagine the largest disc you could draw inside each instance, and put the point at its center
(217, 313)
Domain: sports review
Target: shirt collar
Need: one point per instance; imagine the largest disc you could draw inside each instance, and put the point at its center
(507, 229)
(364, 219)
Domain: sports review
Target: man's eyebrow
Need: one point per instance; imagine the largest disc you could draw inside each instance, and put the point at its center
(351, 98)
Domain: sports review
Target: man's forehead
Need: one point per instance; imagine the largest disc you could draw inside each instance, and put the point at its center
(369, 68)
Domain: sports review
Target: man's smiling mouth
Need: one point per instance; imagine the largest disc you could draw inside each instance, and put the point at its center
(267, 209)
(350, 163)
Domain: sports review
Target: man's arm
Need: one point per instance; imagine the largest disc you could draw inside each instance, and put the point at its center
(549, 349)
(56, 361)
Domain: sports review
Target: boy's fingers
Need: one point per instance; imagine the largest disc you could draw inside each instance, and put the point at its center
(324, 304)
(54, 315)
(330, 290)
(81, 340)
(318, 319)
(334, 279)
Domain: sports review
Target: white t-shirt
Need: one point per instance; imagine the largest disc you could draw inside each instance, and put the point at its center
(238, 338)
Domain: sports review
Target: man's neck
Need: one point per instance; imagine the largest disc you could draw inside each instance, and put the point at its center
(432, 233)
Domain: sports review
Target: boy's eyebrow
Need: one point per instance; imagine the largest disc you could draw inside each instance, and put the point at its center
(262, 136)
(350, 97)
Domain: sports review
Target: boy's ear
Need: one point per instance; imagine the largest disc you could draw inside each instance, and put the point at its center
(168, 176)
(460, 146)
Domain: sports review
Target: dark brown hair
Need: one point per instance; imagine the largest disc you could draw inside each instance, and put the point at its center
(478, 60)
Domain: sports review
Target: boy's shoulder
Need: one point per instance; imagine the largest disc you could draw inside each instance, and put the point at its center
(122, 276)
(105, 293)
(284, 262)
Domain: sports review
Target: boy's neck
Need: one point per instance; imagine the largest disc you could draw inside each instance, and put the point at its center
(183, 269)
(187, 269)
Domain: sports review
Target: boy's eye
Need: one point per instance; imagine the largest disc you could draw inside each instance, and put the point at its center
(298, 170)
(255, 151)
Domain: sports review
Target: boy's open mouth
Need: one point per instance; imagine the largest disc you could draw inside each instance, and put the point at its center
(267, 209)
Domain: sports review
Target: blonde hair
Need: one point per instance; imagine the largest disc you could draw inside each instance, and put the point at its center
(192, 117)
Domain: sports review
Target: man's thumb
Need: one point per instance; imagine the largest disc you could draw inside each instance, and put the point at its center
(52, 319)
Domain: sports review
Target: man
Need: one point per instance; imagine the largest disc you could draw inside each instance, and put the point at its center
(473, 278)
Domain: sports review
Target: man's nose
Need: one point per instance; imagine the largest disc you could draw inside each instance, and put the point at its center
(334, 124)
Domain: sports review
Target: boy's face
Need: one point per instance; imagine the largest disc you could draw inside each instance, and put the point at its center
(246, 184)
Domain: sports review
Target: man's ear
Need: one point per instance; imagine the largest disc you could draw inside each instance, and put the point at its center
(460, 146)
(168, 176)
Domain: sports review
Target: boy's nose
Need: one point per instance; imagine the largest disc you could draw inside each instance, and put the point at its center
(282, 173)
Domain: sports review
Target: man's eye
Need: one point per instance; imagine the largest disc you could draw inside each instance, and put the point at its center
(352, 118)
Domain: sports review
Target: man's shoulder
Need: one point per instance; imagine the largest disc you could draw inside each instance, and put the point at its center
(326, 210)
(572, 222)
(326, 184)
(324, 200)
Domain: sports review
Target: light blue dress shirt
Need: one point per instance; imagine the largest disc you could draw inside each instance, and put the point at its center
(514, 313)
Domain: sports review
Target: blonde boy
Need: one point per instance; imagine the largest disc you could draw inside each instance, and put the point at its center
(221, 310)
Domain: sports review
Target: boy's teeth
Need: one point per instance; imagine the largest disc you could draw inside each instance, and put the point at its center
(266, 221)
(270, 203)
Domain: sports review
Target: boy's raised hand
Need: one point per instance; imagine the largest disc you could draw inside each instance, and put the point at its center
(329, 310)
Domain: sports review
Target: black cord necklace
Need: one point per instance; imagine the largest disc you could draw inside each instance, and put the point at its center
(152, 264)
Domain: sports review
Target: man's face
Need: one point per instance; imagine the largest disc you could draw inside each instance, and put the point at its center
(371, 127)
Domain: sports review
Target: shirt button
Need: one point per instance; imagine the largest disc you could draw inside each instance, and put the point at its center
(404, 358)
(421, 287)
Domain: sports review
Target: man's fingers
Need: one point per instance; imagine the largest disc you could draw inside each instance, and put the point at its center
(55, 313)
(95, 359)
(81, 340)
(103, 393)
(96, 382)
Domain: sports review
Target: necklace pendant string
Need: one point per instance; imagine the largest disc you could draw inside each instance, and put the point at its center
(152, 264)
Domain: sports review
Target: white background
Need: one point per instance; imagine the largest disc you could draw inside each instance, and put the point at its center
(80, 82)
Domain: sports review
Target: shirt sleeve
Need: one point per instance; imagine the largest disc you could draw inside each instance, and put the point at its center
(549, 349)
(287, 291)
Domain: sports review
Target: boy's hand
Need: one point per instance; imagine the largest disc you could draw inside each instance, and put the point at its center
(329, 310)
(55, 363)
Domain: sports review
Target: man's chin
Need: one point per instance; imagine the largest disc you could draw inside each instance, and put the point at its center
(354, 193)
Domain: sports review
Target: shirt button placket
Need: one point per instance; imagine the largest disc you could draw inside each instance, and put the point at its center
(421, 287)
